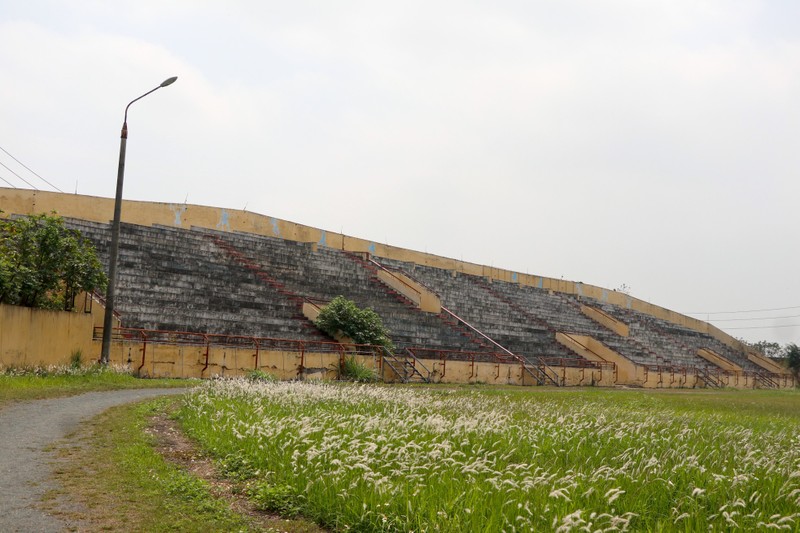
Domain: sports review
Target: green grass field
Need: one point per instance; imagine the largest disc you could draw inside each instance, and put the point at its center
(478, 458)
(37, 383)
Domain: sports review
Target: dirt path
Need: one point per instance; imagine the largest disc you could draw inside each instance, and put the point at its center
(26, 430)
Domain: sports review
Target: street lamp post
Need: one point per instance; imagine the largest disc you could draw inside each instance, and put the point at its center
(108, 318)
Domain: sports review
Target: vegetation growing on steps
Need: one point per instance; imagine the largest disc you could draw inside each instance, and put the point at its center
(364, 326)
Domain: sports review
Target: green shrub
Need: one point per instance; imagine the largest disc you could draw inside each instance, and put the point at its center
(793, 359)
(261, 376)
(238, 467)
(363, 326)
(355, 371)
(76, 359)
(278, 499)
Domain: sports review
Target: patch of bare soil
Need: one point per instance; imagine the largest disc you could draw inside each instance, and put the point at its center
(178, 449)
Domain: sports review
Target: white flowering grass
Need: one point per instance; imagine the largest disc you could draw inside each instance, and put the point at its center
(376, 458)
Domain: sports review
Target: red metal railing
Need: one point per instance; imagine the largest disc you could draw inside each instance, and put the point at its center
(200, 339)
(543, 372)
(209, 340)
(394, 276)
(101, 299)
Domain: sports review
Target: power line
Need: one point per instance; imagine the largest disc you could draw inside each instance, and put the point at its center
(29, 170)
(737, 312)
(20, 177)
(751, 319)
(768, 327)
(11, 184)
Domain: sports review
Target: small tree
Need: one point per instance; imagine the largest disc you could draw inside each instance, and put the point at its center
(343, 317)
(792, 353)
(769, 349)
(44, 264)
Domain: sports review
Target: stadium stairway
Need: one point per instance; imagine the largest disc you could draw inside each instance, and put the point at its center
(320, 274)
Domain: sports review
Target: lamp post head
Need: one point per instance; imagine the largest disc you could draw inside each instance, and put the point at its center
(168, 81)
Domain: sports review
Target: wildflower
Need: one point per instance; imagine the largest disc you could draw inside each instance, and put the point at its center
(560, 493)
(613, 494)
(729, 518)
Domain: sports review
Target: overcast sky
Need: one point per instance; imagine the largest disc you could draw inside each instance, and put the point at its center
(647, 143)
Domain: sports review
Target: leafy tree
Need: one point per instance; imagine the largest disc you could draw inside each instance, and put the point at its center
(44, 264)
(343, 317)
(793, 359)
(770, 349)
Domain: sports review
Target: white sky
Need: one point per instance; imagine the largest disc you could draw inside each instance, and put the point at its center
(645, 143)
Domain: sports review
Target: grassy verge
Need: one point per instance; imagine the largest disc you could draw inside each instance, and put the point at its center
(38, 383)
(372, 458)
(112, 479)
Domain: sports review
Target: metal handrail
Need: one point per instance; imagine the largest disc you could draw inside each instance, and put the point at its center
(418, 362)
(479, 332)
(102, 301)
(193, 338)
(395, 276)
(521, 360)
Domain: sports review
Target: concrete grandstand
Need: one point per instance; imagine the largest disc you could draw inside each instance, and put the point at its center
(203, 285)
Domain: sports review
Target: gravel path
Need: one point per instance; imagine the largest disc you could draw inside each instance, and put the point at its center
(26, 429)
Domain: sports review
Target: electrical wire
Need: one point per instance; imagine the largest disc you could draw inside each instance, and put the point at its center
(751, 319)
(737, 312)
(768, 327)
(20, 177)
(29, 170)
(11, 184)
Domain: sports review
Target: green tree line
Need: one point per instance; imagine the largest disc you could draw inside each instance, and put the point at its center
(45, 264)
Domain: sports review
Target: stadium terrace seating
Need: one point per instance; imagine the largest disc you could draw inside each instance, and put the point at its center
(674, 342)
(219, 282)
(515, 330)
(188, 280)
(321, 274)
(171, 279)
(525, 320)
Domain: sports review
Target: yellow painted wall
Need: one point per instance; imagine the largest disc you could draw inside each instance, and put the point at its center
(606, 320)
(511, 374)
(21, 201)
(89, 304)
(35, 337)
(311, 311)
(767, 364)
(163, 360)
(716, 359)
(411, 289)
(628, 373)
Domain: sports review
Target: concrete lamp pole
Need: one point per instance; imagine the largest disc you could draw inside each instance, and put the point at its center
(108, 318)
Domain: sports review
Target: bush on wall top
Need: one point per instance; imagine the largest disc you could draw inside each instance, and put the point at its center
(44, 264)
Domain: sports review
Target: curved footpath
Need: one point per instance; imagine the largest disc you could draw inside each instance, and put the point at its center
(26, 429)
